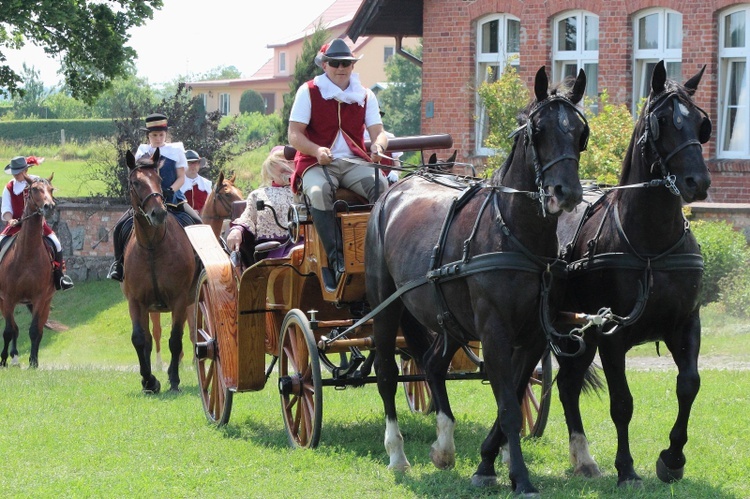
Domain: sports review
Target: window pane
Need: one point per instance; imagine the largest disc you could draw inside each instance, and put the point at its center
(648, 32)
(674, 31)
(514, 36)
(735, 137)
(734, 30)
(566, 33)
(591, 33)
(489, 37)
(648, 70)
(592, 77)
(570, 70)
(674, 71)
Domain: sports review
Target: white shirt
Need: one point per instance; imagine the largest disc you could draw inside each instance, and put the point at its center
(173, 150)
(302, 108)
(203, 184)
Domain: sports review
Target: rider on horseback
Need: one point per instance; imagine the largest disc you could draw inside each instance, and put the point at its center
(12, 211)
(172, 172)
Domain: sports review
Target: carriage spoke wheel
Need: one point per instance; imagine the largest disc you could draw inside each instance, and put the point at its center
(300, 384)
(418, 393)
(536, 402)
(216, 397)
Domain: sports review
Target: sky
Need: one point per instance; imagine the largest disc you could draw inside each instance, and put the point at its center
(203, 35)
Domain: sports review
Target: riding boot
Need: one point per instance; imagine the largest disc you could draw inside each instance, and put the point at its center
(115, 270)
(61, 280)
(328, 231)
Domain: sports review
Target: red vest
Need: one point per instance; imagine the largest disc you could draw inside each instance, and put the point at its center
(327, 117)
(196, 198)
(17, 203)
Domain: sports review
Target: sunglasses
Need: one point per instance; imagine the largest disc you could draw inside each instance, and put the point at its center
(344, 64)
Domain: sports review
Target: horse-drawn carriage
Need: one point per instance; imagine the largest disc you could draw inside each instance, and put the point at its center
(278, 316)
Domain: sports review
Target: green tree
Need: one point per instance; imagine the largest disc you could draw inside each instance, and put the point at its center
(30, 104)
(220, 73)
(125, 94)
(503, 99)
(304, 70)
(63, 106)
(252, 102)
(90, 38)
(401, 100)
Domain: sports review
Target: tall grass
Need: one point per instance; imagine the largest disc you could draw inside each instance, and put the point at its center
(79, 427)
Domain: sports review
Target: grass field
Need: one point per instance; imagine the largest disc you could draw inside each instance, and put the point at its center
(80, 427)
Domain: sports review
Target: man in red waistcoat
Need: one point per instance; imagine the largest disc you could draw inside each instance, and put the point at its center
(196, 188)
(326, 127)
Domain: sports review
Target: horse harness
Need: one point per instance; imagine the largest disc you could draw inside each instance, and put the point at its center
(667, 261)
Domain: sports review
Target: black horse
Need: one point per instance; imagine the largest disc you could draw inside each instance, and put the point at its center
(633, 252)
(499, 237)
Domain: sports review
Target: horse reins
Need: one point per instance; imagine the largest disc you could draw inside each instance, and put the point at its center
(27, 195)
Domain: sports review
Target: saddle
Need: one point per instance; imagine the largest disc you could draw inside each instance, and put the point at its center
(7, 243)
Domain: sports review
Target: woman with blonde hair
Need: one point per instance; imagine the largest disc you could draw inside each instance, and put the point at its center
(258, 226)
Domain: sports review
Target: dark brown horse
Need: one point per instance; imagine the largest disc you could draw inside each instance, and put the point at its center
(26, 272)
(485, 249)
(634, 253)
(159, 269)
(218, 207)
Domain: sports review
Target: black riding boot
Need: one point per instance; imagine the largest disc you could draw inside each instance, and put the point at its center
(328, 231)
(59, 278)
(118, 241)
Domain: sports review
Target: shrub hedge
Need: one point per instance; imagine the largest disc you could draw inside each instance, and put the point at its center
(724, 252)
(48, 131)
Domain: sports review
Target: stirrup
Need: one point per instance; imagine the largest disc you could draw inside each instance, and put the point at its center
(115, 271)
(66, 282)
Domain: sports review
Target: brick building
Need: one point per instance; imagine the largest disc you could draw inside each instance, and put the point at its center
(617, 43)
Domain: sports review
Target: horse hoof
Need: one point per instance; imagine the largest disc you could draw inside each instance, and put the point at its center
(153, 387)
(631, 483)
(588, 471)
(174, 389)
(442, 460)
(666, 474)
(484, 480)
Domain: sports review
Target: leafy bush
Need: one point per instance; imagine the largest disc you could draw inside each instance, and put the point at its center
(611, 129)
(734, 292)
(252, 102)
(724, 253)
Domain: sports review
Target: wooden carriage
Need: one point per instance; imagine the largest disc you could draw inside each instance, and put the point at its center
(278, 316)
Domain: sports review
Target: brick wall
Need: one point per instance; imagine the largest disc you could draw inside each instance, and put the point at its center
(448, 71)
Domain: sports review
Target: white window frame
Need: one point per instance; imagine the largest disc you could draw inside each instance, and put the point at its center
(646, 58)
(204, 100)
(388, 52)
(580, 57)
(224, 104)
(496, 60)
(729, 59)
(282, 62)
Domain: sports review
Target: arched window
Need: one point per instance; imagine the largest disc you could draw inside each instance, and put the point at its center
(575, 46)
(657, 34)
(733, 139)
(498, 43)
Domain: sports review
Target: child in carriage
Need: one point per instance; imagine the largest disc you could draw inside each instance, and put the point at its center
(253, 226)
(12, 212)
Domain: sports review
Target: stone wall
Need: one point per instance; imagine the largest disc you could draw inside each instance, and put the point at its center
(85, 230)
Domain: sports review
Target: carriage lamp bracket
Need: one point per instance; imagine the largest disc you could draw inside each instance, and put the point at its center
(312, 320)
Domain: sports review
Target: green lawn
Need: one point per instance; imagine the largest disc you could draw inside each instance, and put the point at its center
(80, 427)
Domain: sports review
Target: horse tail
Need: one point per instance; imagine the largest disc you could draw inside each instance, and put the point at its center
(592, 380)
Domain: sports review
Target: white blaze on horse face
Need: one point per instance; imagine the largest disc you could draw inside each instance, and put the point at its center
(394, 446)
(443, 451)
(553, 206)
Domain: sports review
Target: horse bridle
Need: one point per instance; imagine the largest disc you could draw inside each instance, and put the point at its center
(27, 195)
(141, 201)
(224, 203)
(651, 134)
(565, 126)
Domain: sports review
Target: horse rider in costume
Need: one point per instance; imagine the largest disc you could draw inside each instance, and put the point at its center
(172, 172)
(12, 212)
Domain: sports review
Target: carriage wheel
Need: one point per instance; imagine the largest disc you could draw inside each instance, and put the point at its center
(418, 393)
(536, 402)
(300, 384)
(216, 397)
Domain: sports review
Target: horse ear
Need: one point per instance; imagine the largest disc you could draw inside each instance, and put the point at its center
(232, 178)
(156, 157)
(51, 176)
(541, 84)
(130, 159)
(432, 160)
(692, 84)
(219, 182)
(658, 78)
(579, 88)
(452, 159)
